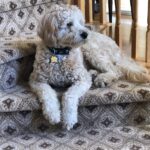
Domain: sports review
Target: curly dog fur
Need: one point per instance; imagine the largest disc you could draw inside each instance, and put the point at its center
(110, 63)
(63, 26)
(56, 31)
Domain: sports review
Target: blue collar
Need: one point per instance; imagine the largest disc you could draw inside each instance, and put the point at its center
(59, 51)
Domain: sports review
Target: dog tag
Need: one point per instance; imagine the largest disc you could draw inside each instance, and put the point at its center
(60, 58)
(53, 59)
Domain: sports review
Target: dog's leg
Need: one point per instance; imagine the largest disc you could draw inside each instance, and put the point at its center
(107, 68)
(105, 79)
(70, 102)
(110, 73)
(49, 100)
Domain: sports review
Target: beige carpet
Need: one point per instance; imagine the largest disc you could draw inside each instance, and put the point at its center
(80, 138)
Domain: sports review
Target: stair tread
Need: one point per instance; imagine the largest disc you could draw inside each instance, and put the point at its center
(21, 97)
(13, 48)
(128, 137)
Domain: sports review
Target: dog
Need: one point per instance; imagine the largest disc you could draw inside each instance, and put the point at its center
(110, 63)
(59, 63)
(61, 60)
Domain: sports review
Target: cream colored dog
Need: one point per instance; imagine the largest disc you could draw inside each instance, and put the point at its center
(59, 63)
(109, 63)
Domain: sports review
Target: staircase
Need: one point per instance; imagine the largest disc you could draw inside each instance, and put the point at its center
(116, 117)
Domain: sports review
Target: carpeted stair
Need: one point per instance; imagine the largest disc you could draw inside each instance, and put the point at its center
(113, 118)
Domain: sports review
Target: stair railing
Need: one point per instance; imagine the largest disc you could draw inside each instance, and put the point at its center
(87, 8)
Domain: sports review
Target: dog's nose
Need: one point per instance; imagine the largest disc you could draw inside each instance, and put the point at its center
(84, 35)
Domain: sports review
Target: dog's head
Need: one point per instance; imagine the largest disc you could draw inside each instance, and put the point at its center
(63, 26)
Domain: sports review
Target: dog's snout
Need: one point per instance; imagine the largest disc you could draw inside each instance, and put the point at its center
(84, 35)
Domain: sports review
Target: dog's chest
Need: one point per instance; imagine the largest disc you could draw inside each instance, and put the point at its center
(60, 72)
(59, 75)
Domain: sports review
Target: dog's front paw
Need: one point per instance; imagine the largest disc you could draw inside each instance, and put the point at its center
(69, 112)
(53, 116)
(103, 80)
(69, 121)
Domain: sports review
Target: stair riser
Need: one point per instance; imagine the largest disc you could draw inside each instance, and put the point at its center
(99, 117)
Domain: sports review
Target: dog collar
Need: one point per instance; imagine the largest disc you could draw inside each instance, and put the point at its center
(58, 54)
(59, 51)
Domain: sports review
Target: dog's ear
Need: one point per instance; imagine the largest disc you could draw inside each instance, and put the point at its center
(47, 29)
(40, 28)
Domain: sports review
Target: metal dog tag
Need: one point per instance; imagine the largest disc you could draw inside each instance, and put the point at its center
(53, 59)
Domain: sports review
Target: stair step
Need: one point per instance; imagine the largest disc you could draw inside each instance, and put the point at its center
(119, 138)
(21, 97)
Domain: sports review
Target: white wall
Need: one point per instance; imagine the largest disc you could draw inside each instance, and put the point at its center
(142, 10)
(142, 13)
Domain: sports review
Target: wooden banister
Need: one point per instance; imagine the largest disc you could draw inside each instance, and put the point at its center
(89, 11)
(134, 4)
(102, 11)
(110, 8)
(86, 7)
(117, 26)
(148, 35)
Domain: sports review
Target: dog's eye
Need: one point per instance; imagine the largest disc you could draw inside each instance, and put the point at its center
(69, 24)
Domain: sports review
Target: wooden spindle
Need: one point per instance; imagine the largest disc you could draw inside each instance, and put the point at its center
(89, 11)
(134, 4)
(117, 26)
(110, 7)
(102, 11)
(148, 35)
